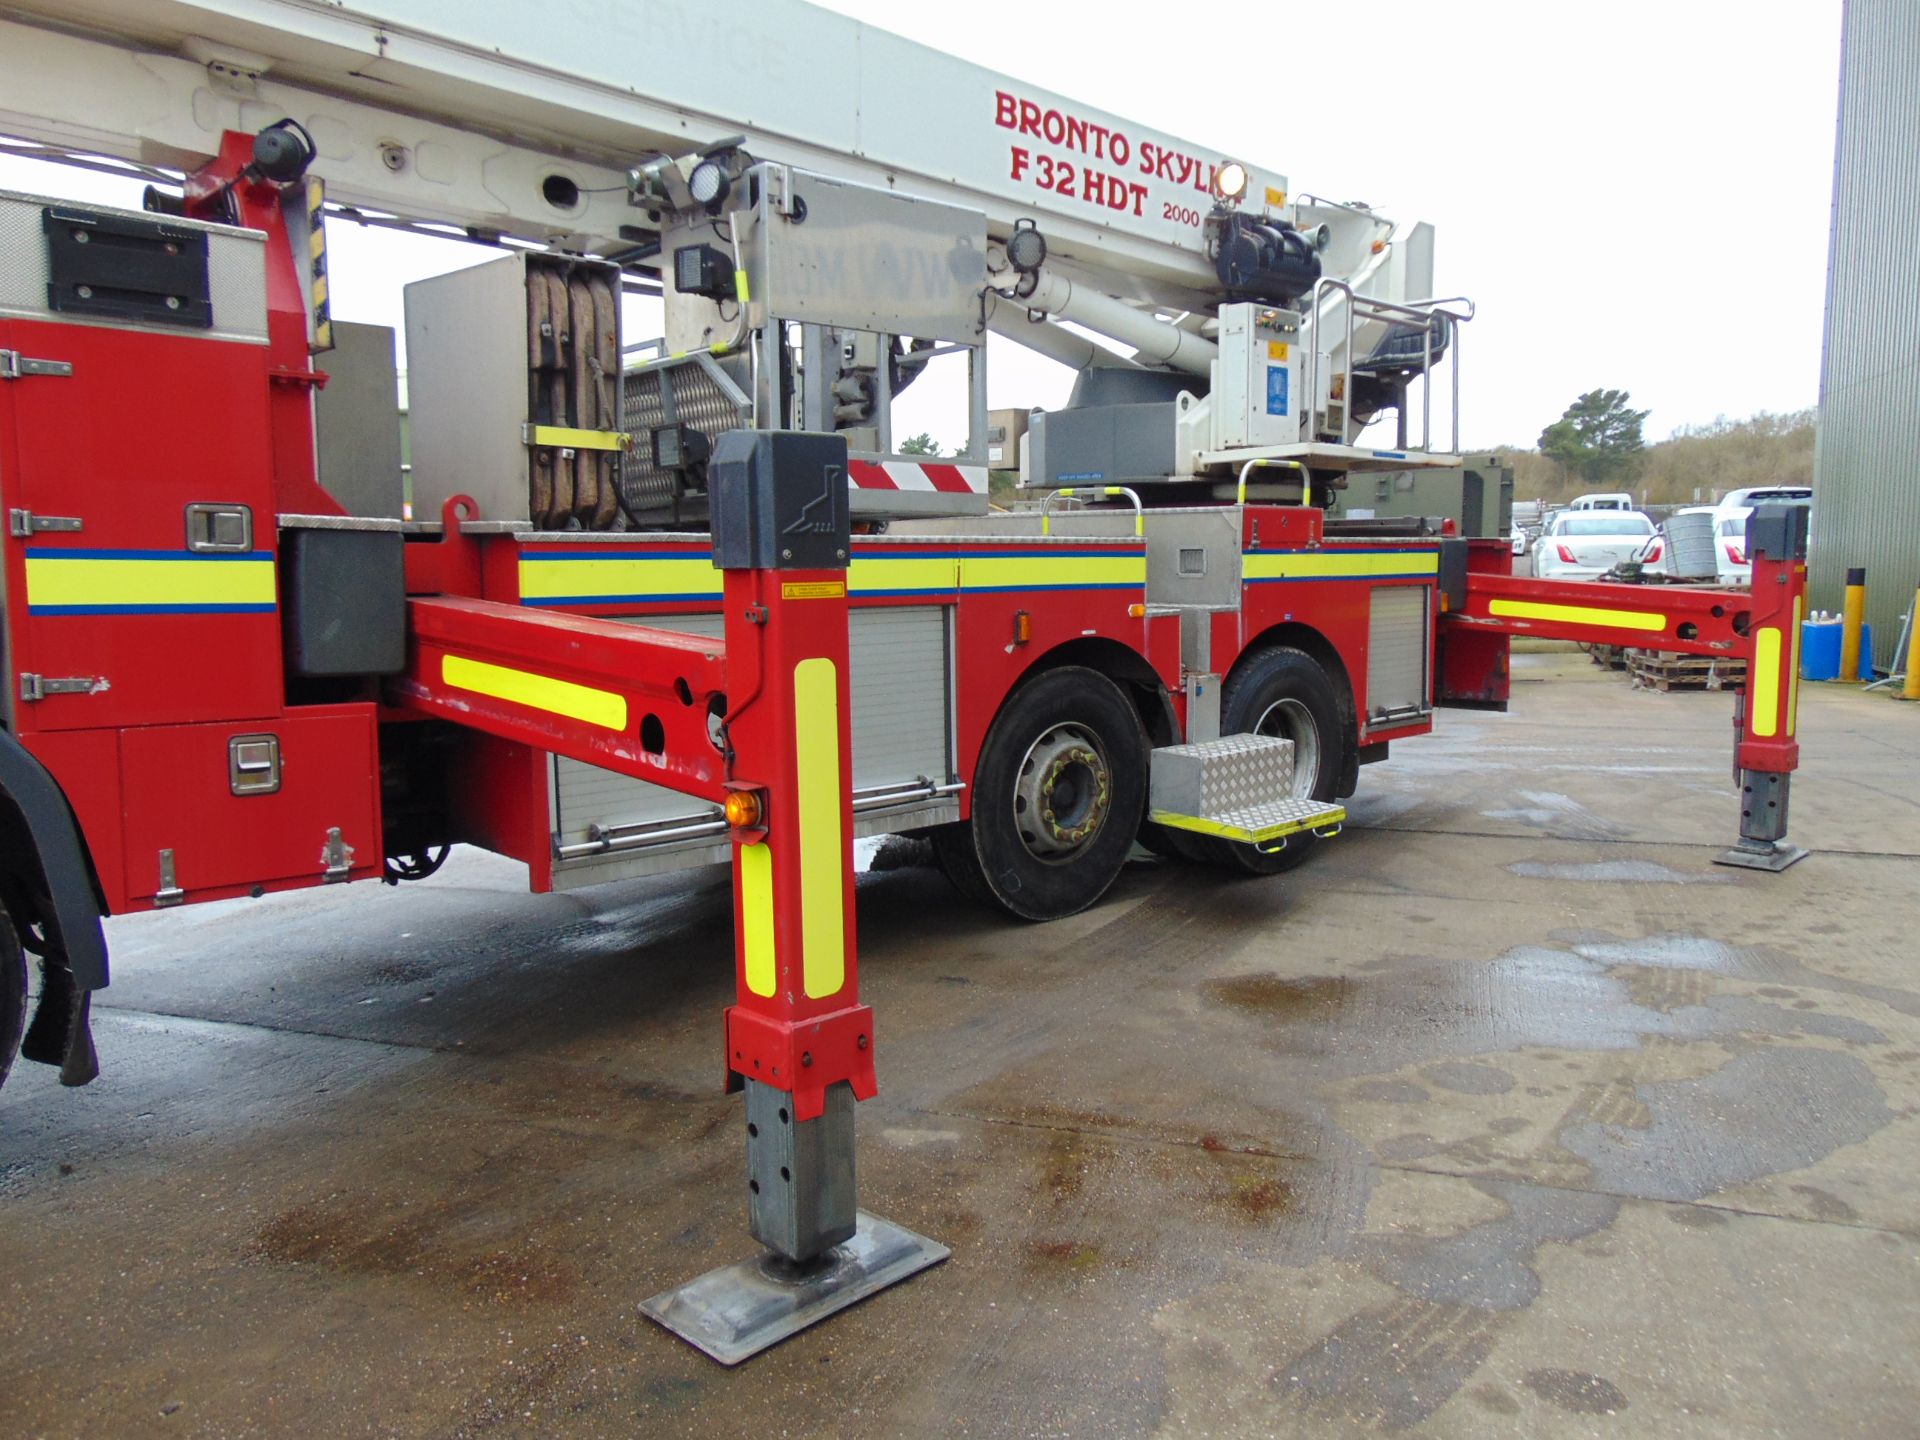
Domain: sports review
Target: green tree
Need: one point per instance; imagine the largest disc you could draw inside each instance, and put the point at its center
(921, 444)
(1598, 437)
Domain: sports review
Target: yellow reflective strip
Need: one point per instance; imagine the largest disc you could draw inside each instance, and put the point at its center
(740, 286)
(189, 580)
(1017, 572)
(1331, 565)
(573, 439)
(537, 692)
(756, 913)
(667, 578)
(1793, 673)
(823, 866)
(1764, 692)
(916, 572)
(1576, 614)
(1334, 815)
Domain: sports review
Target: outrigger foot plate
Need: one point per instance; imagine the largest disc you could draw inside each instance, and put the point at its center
(737, 1311)
(1770, 856)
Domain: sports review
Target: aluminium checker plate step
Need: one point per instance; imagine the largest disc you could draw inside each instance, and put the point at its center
(1239, 787)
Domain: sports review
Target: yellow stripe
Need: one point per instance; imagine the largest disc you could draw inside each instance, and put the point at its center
(573, 439)
(537, 692)
(1765, 690)
(1042, 572)
(1576, 614)
(1331, 565)
(912, 572)
(823, 866)
(1793, 673)
(667, 578)
(57, 580)
(756, 906)
(740, 286)
(670, 578)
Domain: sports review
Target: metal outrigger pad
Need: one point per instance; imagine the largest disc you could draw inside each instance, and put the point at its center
(737, 1311)
(1769, 855)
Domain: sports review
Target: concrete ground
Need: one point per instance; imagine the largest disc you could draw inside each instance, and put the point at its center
(1509, 1114)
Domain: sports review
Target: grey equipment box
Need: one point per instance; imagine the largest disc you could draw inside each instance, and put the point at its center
(495, 353)
(1477, 495)
(1101, 445)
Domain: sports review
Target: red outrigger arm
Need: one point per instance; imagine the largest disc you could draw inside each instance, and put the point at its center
(646, 703)
(759, 724)
(1761, 625)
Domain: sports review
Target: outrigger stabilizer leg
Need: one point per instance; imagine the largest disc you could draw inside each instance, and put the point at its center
(798, 1040)
(1769, 750)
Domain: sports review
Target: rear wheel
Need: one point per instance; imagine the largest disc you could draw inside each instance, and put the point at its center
(1057, 798)
(13, 994)
(1285, 693)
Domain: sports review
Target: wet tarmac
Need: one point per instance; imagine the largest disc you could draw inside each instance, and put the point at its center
(1509, 1114)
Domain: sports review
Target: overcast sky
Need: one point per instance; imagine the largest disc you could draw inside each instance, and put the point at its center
(1635, 194)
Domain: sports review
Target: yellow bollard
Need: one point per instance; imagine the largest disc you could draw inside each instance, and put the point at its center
(1911, 691)
(1851, 617)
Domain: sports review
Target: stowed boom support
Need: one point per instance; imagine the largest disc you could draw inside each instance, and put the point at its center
(1762, 626)
(758, 724)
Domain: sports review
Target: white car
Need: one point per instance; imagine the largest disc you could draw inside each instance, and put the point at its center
(1581, 544)
(1730, 531)
(1603, 500)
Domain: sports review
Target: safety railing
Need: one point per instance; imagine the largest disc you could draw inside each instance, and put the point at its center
(1420, 313)
(1091, 492)
(1306, 478)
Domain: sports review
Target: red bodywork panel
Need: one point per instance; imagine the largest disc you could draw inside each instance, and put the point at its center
(182, 646)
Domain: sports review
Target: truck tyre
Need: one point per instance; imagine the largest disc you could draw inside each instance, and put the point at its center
(13, 994)
(1282, 691)
(1058, 796)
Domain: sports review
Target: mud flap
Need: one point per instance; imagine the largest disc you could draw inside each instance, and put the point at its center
(62, 1030)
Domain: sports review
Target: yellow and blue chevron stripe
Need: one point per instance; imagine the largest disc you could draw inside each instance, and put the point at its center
(148, 582)
(597, 576)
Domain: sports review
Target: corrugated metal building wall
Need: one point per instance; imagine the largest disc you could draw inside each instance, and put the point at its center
(1867, 490)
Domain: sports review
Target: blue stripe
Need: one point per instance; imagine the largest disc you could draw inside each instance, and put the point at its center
(1005, 589)
(54, 552)
(1331, 579)
(1102, 552)
(151, 609)
(621, 599)
(581, 552)
(1343, 550)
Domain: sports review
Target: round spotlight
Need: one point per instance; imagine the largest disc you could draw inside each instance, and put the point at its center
(709, 184)
(1230, 180)
(1026, 247)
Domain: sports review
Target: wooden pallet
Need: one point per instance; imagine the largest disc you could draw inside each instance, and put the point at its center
(1655, 670)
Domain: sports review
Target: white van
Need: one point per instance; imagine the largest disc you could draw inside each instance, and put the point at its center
(1610, 500)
